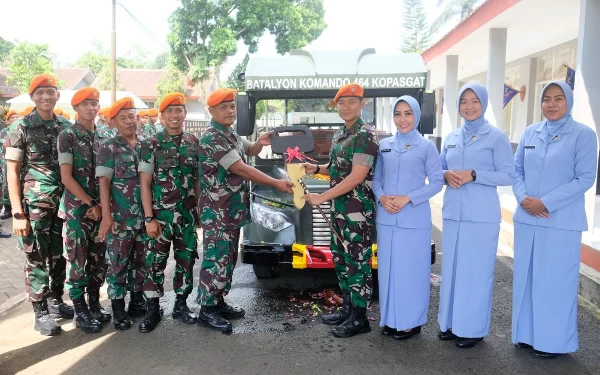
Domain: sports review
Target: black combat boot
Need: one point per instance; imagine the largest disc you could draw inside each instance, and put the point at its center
(59, 309)
(230, 312)
(96, 308)
(211, 317)
(83, 319)
(7, 212)
(356, 323)
(43, 321)
(152, 317)
(120, 318)
(137, 304)
(181, 310)
(339, 316)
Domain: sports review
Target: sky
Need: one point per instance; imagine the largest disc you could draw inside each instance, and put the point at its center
(76, 23)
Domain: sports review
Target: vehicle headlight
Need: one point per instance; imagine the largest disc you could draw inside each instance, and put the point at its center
(269, 218)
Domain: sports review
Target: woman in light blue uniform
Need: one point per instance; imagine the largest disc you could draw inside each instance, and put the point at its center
(555, 165)
(404, 161)
(476, 158)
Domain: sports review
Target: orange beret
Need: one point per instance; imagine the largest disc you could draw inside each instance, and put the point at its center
(143, 112)
(27, 110)
(220, 95)
(83, 94)
(172, 98)
(11, 113)
(58, 111)
(66, 115)
(42, 80)
(351, 89)
(104, 111)
(124, 103)
(153, 112)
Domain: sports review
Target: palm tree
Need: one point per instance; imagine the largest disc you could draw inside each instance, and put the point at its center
(452, 10)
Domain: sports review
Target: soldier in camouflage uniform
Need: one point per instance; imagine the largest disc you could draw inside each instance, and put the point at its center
(11, 118)
(35, 190)
(169, 184)
(80, 210)
(103, 128)
(351, 167)
(224, 205)
(122, 217)
(150, 128)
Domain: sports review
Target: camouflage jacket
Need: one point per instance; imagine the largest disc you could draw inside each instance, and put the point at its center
(78, 147)
(118, 162)
(149, 130)
(32, 141)
(3, 134)
(224, 196)
(105, 132)
(355, 146)
(174, 170)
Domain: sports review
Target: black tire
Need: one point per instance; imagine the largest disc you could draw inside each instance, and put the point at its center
(264, 271)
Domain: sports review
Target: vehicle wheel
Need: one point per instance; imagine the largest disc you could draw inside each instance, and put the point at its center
(264, 271)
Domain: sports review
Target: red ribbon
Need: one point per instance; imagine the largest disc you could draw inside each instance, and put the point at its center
(296, 154)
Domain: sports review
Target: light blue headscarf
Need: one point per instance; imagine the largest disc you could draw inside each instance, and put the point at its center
(469, 128)
(404, 139)
(554, 127)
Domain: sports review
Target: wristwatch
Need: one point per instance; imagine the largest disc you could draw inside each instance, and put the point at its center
(148, 219)
(318, 168)
(19, 215)
(93, 203)
(474, 175)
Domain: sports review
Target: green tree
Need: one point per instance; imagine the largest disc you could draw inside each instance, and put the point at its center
(204, 33)
(25, 61)
(171, 82)
(5, 47)
(453, 10)
(161, 61)
(95, 59)
(233, 81)
(415, 33)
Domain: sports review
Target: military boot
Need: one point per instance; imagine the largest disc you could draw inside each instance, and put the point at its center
(152, 317)
(230, 312)
(120, 318)
(339, 316)
(83, 319)
(59, 309)
(356, 323)
(96, 308)
(181, 310)
(7, 212)
(211, 317)
(44, 323)
(137, 304)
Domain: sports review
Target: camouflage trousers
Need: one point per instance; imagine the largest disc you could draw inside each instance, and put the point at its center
(185, 245)
(5, 197)
(220, 256)
(44, 262)
(126, 268)
(352, 265)
(85, 254)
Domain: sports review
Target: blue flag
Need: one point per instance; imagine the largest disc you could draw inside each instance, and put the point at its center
(509, 93)
(570, 79)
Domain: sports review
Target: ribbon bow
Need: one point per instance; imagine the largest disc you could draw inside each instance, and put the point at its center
(294, 153)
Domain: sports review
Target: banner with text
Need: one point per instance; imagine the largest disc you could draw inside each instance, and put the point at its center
(334, 82)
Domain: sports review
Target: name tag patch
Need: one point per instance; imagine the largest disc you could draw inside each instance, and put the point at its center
(386, 150)
(529, 146)
(451, 146)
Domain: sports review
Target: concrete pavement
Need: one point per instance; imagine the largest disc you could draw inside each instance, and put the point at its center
(12, 287)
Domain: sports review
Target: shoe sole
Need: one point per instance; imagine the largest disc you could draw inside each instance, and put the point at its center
(122, 327)
(400, 338)
(468, 346)
(226, 329)
(180, 317)
(362, 330)
(48, 333)
(88, 330)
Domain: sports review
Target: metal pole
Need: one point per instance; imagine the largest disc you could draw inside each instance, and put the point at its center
(113, 55)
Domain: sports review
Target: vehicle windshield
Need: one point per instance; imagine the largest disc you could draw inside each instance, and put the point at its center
(319, 114)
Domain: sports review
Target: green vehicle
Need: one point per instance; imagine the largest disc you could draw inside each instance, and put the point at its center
(292, 95)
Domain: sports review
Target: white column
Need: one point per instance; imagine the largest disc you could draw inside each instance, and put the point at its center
(523, 110)
(587, 87)
(495, 77)
(450, 92)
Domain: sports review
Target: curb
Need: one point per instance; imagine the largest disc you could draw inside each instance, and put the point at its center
(12, 303)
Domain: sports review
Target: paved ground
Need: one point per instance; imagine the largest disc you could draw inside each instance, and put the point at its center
(281, 335)
(11, 270)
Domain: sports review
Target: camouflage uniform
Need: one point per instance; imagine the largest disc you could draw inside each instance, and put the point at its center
(353, 214)
(225, 208)
(3, 133)
(86, 267)
(149, 130)
(118, 162)
(33, 141)
(173, 163)
(105, 132)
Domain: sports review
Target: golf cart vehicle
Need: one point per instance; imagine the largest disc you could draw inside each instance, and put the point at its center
(292, 95)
